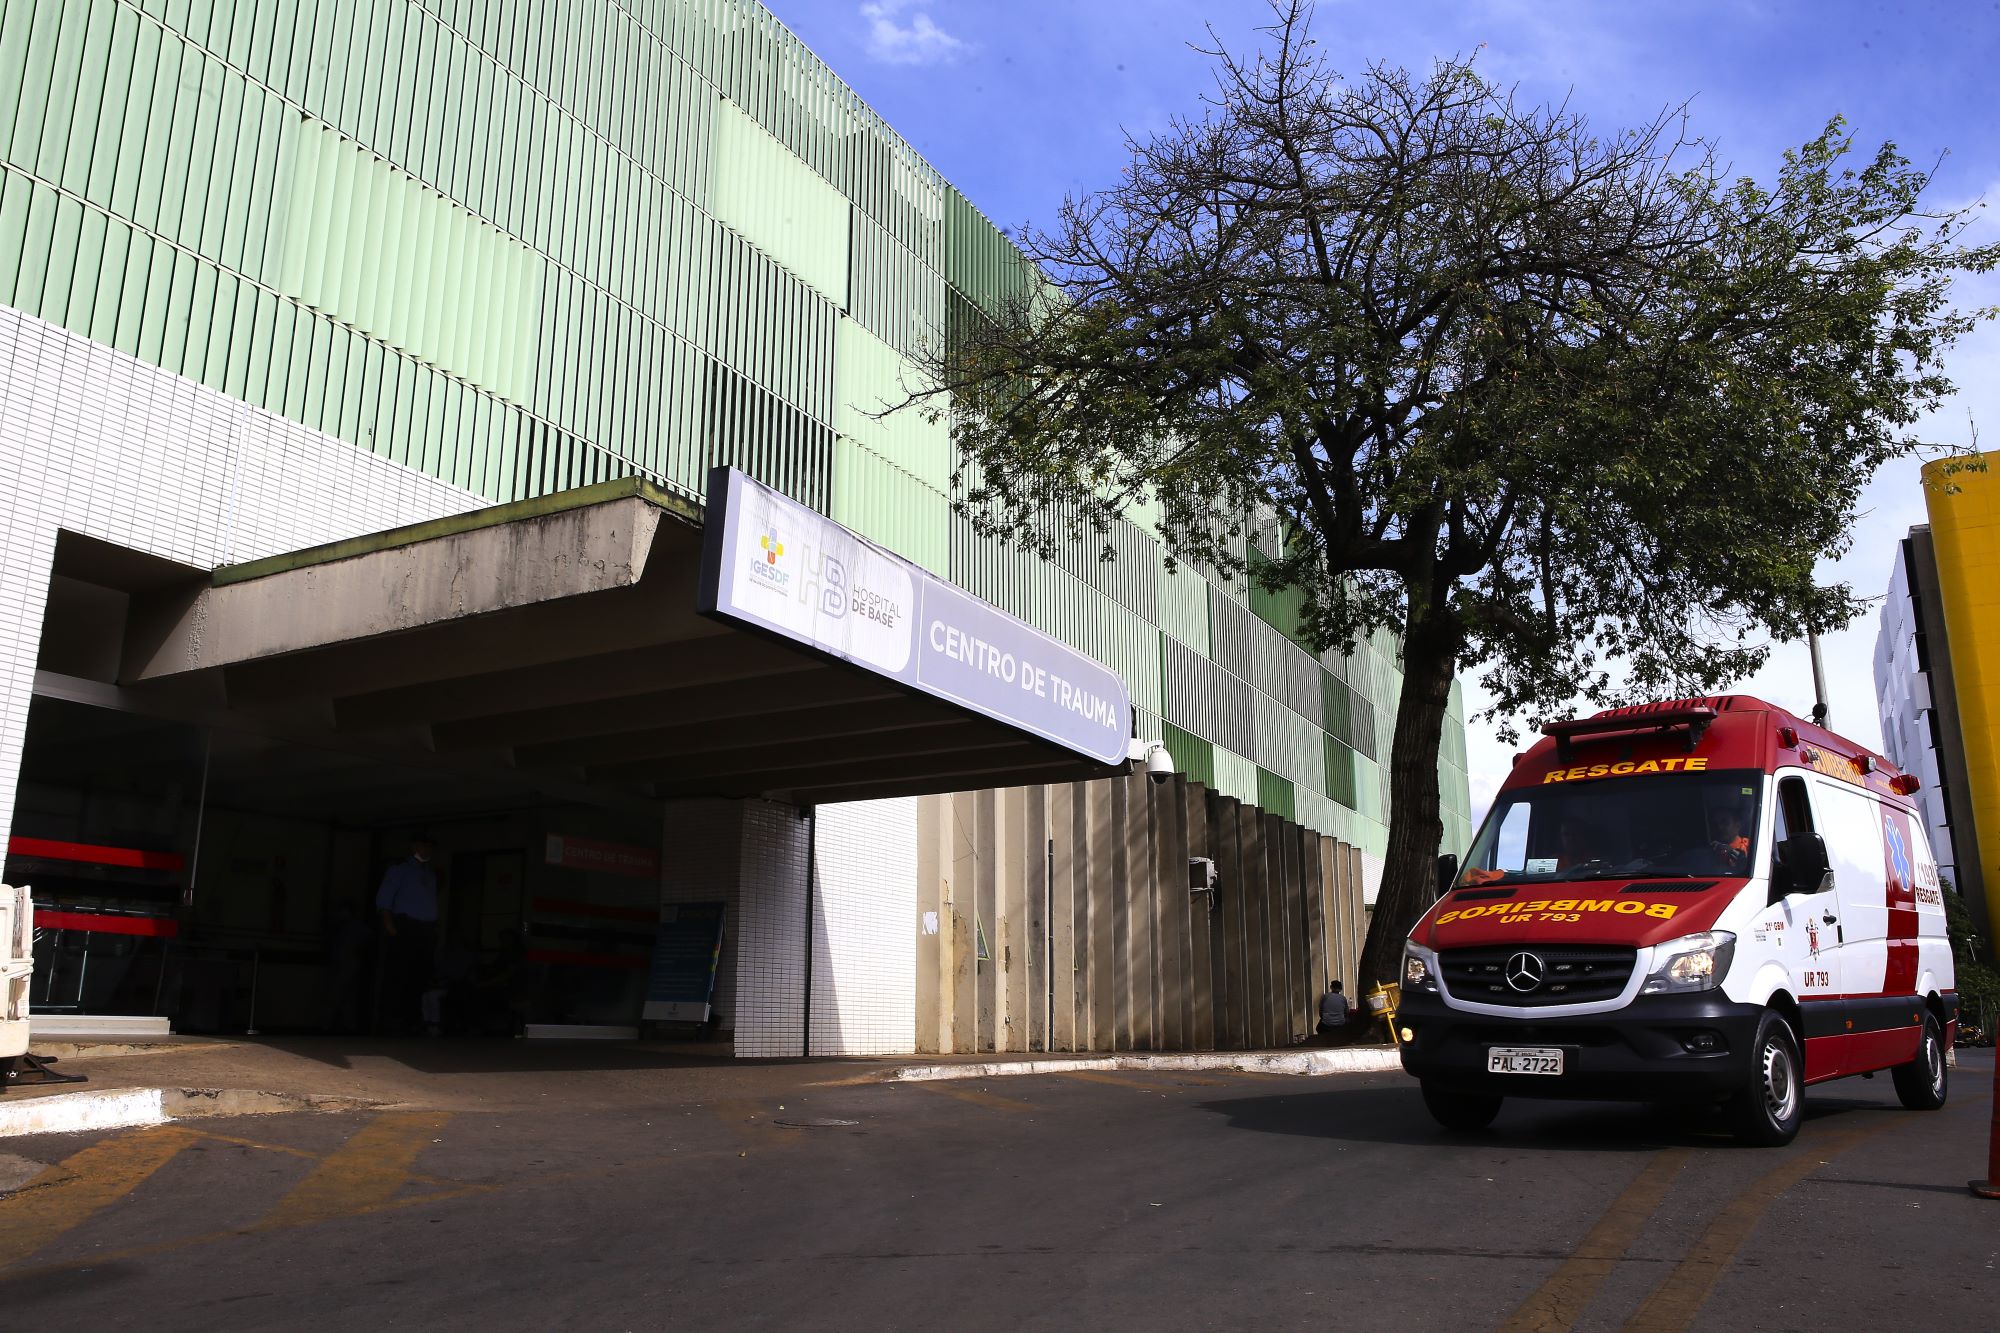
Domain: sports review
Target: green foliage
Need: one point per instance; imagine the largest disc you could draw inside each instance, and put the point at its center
(1572, 410)
(1978, 982)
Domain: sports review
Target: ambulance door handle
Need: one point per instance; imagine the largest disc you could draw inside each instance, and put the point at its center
(1828, 917)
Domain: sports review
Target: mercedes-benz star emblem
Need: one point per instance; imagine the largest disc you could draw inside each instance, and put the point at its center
(1524, 972)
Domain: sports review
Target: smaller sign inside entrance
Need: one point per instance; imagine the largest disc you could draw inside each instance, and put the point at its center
(686, 953)
(612, 858)
(770, 562)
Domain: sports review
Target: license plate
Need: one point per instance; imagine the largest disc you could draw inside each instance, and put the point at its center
(1524, 1060)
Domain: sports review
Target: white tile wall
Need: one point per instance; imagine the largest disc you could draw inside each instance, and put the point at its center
(865, 931)
(1371, 876)
(751, 855)
(771, 946)
(101, 444)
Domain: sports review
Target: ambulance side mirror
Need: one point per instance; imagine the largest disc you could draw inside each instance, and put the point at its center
(1447, 872)
(1801, 866)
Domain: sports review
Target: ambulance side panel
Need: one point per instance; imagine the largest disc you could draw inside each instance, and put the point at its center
(1785, 946)
(1936, 973)
(1877, 1021)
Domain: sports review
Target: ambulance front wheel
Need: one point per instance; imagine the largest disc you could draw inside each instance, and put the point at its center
(1922, 1084)
(1768, 1110)
(1462, 1111)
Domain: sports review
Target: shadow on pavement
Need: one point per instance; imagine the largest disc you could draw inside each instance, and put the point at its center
(1396, 1114)
(500, 1055)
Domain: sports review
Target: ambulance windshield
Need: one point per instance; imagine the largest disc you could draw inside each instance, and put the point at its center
(1678, 825)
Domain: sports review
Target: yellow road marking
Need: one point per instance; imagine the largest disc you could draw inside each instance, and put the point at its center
(974, 1097)
(365, 1172)
(1680, 1297)
(101, 1174)
(416, 1177)
(258, 1144)
(1560, 1301)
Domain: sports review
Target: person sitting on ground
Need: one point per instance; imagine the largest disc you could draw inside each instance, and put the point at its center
(1332, 1014)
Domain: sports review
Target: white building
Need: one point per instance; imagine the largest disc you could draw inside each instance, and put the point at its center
(1904, 692)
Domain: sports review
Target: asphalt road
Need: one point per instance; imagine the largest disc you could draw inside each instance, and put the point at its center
(1152, 1201)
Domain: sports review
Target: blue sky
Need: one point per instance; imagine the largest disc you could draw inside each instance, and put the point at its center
(1019, 102)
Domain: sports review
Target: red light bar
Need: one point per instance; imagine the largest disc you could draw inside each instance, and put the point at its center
(85, 853)
(1695, 719)
(1903, 784)
(107, 923)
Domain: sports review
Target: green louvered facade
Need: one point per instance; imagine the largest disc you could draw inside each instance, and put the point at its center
(528, 246)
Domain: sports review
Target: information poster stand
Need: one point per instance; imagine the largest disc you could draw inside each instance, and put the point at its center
(686, 953)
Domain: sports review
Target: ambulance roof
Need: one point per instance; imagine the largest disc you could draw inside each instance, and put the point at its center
(1715, 731)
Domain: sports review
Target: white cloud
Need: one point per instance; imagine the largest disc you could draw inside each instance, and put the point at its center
(915, 41)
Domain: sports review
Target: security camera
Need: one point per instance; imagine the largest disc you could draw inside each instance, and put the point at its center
(1158, 763)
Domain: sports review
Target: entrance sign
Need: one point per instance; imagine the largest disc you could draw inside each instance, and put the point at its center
(612, 858)
(772, 563)
(686, 952)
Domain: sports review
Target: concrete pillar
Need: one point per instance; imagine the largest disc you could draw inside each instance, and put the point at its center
(1011, 946)
(1141, 895)
(1256, 927)
(1330, 908)
(1357, 911)
(1303, 877)
(964, 976)
(1171, 937)
(986, 908)
(1203, 923)
(933, 935)
(1106, 851)
(1233, 975)
(1034, 862)
(1313, 891)
(1280, 997)
(1065, 831)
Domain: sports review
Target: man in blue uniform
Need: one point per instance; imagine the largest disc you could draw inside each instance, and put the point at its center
(408, 902)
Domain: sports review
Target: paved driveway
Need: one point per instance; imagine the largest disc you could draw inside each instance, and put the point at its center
(1126, 1200)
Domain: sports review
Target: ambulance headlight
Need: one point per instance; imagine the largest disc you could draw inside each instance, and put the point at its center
(1419, 967)
(1690, 963)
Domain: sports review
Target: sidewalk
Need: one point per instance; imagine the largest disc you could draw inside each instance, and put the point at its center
(498, 1076)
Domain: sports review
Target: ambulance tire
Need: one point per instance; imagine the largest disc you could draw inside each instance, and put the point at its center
(1922, 1084)
(1768, 1111)
(1464, 1112)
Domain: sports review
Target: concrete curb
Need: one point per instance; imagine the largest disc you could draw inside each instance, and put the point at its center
(1362, 1060)
(128, 1108)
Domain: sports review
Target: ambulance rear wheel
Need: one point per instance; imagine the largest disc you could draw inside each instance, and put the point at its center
(1922, 1084)
(1768, 1111)
(1461, 1111)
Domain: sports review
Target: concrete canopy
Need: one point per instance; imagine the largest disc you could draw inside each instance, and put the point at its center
(558, 639)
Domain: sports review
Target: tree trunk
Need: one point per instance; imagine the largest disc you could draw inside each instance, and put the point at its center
(1409, 875)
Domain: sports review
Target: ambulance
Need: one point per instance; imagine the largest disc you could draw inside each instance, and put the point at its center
(1703, 900)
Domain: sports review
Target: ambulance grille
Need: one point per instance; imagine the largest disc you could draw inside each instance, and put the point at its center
(1571, 973)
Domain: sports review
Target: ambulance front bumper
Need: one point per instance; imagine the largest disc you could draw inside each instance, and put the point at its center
(1658, 1047)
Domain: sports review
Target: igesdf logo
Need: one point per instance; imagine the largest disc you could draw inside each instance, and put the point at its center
(765, 571)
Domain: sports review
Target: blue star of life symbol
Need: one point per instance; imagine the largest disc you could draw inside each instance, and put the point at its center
(1899, 853)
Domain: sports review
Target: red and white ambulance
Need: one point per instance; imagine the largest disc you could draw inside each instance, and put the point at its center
(1705, 900)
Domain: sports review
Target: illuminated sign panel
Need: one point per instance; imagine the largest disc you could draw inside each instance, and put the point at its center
(771, 563)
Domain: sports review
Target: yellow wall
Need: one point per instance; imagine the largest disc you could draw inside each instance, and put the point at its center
(1964, 509)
